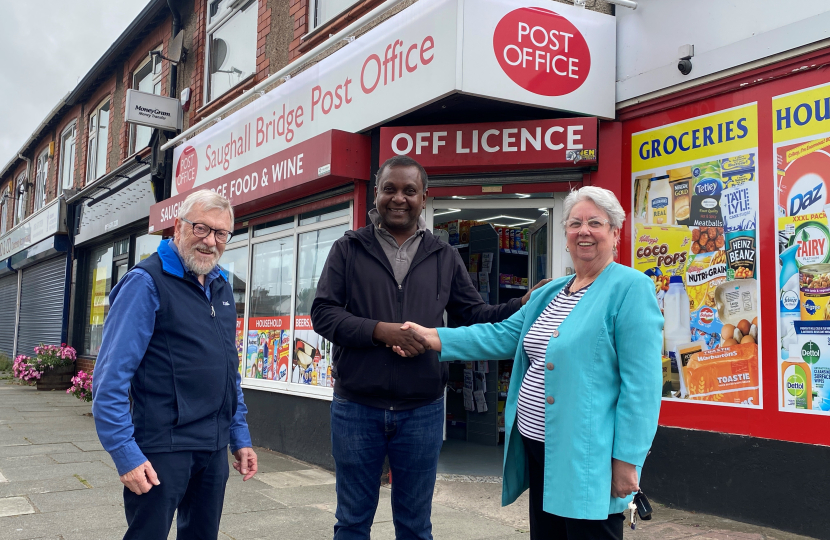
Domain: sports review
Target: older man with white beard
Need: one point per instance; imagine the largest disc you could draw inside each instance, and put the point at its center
(169, 346)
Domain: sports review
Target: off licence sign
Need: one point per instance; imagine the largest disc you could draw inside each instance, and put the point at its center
(502, 145)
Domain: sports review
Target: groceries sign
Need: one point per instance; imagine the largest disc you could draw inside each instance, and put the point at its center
(533, 52)
(495, 145)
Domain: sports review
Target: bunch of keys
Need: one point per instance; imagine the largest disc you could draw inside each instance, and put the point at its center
(632, 508)
(640, 507)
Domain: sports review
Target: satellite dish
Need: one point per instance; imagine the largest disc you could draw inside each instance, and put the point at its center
(175, 49)
(219, 53)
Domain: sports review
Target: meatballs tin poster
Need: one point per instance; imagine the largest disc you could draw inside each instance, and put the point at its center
(801, 145)
(694, 216)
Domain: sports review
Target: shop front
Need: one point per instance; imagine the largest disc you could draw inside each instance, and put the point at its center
(502, 137)
(110, 238)
(33, 282)
(728, 189)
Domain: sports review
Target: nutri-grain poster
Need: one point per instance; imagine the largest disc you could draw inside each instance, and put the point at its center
(695, 202)
(801, 146)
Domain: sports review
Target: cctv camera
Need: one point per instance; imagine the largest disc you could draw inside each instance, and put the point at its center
(685, 66)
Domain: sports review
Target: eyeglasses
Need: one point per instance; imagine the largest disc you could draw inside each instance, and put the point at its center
(594, 224)
(200, 230)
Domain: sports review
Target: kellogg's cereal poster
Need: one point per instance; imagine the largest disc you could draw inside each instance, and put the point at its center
(695, 204)
(801, 145)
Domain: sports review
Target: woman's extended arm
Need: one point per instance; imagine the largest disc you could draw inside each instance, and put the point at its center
(485, 341)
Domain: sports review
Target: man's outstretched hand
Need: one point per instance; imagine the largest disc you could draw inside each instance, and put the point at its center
(401, 338)
(141, 479)
(430, 335)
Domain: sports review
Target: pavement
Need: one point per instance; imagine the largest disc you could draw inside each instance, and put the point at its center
(56, 482)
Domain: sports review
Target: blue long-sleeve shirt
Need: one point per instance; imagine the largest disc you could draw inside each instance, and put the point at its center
(127, 333)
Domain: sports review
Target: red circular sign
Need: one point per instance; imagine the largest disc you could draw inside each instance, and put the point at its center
(707, 315)
(186, 170)
(542, 51)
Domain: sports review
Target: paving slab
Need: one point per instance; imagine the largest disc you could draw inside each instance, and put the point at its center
(49, 485)
(29, 449)
(15, 506)
(78, 499)
(307, 477)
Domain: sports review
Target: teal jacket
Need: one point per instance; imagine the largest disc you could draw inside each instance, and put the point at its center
(606, 382)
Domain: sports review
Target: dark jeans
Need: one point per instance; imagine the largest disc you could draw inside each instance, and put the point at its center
(361, 437)
(544, 526)
(192, 483)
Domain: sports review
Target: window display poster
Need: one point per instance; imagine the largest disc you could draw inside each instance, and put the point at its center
(801, 146)
(695, 200)
(311, 364)
(99, 297)
(269, 340)
(240, 341)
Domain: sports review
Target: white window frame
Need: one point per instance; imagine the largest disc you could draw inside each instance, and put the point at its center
(21, 196)
(66, 180)
(4, 210)
(286, 387)
(232, 8)
(93, 140)
(41, 179)
(314, 10)
(156, 73)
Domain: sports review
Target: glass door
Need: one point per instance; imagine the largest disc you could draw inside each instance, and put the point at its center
(538, 248)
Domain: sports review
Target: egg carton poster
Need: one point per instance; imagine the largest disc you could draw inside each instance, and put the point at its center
(801, 146)
(695, 210)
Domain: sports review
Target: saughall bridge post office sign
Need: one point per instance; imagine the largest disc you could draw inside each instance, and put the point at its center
(533, 52)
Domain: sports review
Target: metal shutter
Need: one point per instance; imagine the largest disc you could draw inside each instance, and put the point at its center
(8, 311)
(41, 305)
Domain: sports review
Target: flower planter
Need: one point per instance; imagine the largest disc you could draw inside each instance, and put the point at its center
(59, 378)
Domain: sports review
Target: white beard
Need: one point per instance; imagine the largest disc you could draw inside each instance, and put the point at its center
(194, 265)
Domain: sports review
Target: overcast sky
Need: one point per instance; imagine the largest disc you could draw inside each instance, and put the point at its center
(47, 46)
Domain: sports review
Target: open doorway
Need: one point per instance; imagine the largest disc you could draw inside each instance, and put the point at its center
(508, 242)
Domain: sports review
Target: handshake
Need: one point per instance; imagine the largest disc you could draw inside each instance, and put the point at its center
(409, 339)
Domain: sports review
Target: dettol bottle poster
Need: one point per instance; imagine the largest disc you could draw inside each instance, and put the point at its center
(801, 145)
(695, 208)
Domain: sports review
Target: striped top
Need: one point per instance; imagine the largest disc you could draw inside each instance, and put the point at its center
(531, 407)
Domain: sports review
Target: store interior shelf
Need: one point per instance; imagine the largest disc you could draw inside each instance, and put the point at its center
(514, 251)
(519, 287)
(460, 246)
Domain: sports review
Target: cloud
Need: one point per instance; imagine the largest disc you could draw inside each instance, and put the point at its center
(47, 46)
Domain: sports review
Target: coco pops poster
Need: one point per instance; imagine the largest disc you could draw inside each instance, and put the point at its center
(801, 146)
(695, 201)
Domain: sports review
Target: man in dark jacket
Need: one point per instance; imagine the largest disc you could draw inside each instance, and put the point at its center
(375, 279)
(166, 394)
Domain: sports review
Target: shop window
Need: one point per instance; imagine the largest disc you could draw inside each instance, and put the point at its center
(99, 284)
(325, 214)
(147, 78)
(4, 211)
(325, 10)
(273, 227)
(99, 121)
(232, 39)
(145, 246)
(67, 170)
(312, 353)
(40, 180)
(270, 310)
(235, 264)
(21, 193)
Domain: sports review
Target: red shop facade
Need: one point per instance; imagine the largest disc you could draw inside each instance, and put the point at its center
(744, 424)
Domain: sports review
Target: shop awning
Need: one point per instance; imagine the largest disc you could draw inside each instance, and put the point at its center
(322, 162)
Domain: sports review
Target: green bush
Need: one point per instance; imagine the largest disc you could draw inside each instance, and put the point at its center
(5, 363)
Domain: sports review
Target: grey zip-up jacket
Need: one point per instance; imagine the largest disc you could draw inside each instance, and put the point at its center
(358, 289)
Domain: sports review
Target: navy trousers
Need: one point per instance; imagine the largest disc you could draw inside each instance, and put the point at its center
(361, 437)
(192, 483)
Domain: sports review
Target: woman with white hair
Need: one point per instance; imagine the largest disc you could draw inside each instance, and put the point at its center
(584, 396)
